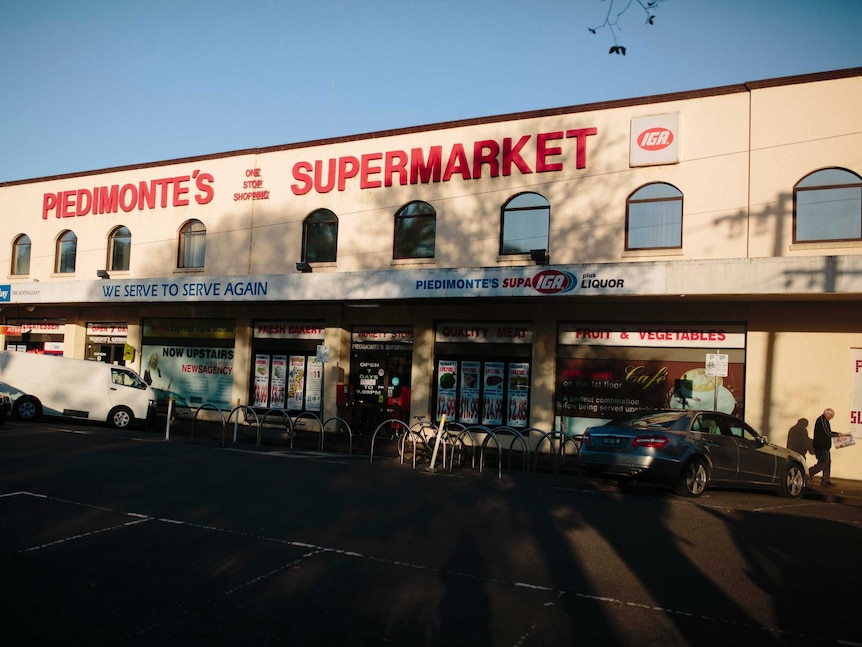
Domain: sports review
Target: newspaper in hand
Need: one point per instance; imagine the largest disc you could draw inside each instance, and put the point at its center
(844, 441)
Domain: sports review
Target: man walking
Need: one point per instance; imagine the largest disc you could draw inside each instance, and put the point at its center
(823, 436)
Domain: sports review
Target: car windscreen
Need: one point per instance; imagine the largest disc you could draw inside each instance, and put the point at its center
(661, 419)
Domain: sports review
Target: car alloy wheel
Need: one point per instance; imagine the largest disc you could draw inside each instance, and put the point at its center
(694, 478)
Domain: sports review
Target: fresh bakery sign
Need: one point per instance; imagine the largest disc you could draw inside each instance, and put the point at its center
(526, 154)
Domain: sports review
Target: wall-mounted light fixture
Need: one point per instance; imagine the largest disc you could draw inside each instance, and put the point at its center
(303, 267)
(540, 256)
(103, 274)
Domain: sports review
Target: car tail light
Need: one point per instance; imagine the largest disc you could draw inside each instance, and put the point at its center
(651, 441)
(586, 440)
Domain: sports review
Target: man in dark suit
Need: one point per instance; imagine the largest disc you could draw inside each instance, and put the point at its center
(823, 436)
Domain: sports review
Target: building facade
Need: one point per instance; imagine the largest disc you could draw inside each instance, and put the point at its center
(535, 270)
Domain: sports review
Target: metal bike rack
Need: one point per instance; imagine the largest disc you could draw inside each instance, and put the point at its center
(246, 409)
(552, 450)
(339, 421)
(308, 414)
(402, 440)
(221, 415)
(285, 418)
(516, 435)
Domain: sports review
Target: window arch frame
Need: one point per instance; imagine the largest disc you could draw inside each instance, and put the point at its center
(406, 221)
(541, 240)
(114, 255)
(815, 215)
(66, 252)
(191, 244)
(675, 196)
(320, 237)
(18, 257)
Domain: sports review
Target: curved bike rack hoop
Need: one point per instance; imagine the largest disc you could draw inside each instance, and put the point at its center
(339, 421)
(574, 439)
(552, 450)
(309, 414)
(285, 417)
(246, 409)
(468, 431)
(516, 435)
(209, 405)
(397, 423)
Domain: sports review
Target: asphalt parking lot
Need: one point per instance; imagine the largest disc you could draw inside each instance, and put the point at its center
(122, 538)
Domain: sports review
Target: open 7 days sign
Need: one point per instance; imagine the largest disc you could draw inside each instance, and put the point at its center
(349, 286)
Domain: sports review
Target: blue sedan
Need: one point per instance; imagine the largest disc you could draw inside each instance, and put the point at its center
(690, 450)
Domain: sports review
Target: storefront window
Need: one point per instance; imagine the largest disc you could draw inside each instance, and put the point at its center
(606, 370)
(286, 372)
(106, 342)
(190, 360)
(490, 393)
(381, 360)
(483, 373)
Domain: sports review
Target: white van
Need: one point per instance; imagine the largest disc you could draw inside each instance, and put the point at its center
(74, 388)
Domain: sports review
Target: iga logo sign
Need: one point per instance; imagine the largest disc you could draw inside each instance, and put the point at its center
(5, 293)
(655, 139)
(554, 282)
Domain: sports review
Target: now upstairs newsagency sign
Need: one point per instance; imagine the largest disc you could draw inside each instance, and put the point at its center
(623, 279)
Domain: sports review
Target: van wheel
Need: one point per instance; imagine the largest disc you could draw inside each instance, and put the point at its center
(27, 408)
(121, 417)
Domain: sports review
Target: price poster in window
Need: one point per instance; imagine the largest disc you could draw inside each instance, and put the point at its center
(468, 411)
(447, 388)
(519, 383)
(313, 384)
(261, 380)
(492, 406)
(295, 382)
(278, 383)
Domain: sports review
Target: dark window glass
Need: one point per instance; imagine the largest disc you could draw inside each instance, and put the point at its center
(415, 231)
(526, 223)
(320, 237)
(67, 250)
(21, 255)
(119, 249)
(192, 245)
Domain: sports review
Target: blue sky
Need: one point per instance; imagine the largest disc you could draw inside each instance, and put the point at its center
(93, 84)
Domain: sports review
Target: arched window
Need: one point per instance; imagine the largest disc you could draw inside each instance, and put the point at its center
(320, 237)
(66, 252)
(654, 217)
(827, 205)
(526, 221)
(192, 245)
(119, 249)
(415, 230)
(21, 255)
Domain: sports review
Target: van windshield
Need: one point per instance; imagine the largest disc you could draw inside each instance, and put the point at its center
(127, 378)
